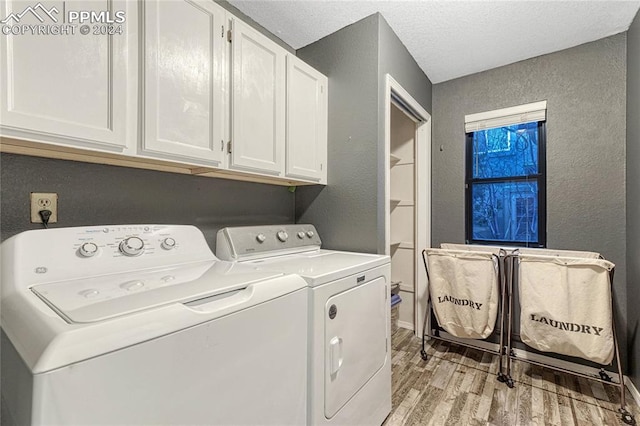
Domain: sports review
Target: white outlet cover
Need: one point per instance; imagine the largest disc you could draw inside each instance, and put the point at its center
(38, 200)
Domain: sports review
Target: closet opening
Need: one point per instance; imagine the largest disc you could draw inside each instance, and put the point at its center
(407, 202)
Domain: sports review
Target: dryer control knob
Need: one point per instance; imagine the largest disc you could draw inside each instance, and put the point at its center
(310, 234)
(261, 238)
(300, 235)
(168, 243)
(283, 236)
(132, 246)
(88, 250)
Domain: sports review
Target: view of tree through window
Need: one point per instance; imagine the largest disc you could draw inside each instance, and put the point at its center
(505, 185)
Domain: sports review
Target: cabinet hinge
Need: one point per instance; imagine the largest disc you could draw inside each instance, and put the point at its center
(229, 36)
(221, 145)
(229, 147)
(321, 166)
(222, 31)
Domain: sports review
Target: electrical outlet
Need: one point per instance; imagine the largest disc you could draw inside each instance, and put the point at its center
(44, 201)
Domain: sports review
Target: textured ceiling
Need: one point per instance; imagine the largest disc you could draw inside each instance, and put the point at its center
(453, 38)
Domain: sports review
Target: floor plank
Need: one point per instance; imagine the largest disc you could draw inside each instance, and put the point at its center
(457, 385)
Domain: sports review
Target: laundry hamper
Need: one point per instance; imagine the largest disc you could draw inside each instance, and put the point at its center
(466, 292)
(566, 307)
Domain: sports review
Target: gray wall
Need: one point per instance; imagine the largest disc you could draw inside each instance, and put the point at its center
(349, 212)
(92, 194)
(585, 89)
(633, 198)
(344, 212)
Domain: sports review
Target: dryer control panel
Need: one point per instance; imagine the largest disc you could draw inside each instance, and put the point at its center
(253, 242)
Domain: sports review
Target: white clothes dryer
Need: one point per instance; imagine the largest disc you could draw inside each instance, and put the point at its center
(349, 325)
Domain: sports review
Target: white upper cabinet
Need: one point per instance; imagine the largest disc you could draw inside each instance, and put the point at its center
(157, 80)
(184, 77)
(69, 88)
(258, 102)
(306, 122)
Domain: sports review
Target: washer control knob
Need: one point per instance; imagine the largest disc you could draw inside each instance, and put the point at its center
(283, 236)
(300, 234)
(261, 238)
(132, 246)
(88, 249)
(89, 293)
(132, 285)
(310, 234)
(168, 243)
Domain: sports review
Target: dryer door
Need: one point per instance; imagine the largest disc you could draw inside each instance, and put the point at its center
(355, 341)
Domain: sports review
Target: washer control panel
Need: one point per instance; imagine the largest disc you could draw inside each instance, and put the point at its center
(130, 241)
(244, 242)
(71, 253)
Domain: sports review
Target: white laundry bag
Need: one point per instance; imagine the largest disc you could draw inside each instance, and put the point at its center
(463, 286)
(566, 306)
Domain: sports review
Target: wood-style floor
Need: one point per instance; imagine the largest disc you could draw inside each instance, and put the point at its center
(458, 386)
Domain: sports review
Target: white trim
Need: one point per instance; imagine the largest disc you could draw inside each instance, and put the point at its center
(633, 390)
(536, 111)
(404, 324)
(423, 191)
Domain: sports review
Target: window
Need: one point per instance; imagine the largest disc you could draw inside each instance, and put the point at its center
(505, 176)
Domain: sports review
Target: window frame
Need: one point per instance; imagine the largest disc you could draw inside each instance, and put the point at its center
(540, 177)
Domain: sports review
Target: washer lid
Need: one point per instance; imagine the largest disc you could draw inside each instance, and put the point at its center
(109, 296)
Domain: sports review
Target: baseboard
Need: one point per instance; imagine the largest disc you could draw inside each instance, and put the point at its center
(405, 324)
(633, 390)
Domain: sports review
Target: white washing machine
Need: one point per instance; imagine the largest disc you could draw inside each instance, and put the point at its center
(144, 325)
(349, 327)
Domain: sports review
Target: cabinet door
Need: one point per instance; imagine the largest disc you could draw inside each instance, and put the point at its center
(306, 121)
(258, 102)
(183, 79)
(67, 87)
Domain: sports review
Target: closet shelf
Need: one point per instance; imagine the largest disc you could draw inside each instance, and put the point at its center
(394, 160)
(395, 202)
(406, 288)
(401, 244)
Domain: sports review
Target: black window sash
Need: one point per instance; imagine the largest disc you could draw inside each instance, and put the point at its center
(539, 177)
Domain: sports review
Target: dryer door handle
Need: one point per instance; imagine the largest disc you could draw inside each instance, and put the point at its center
(335, 354)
